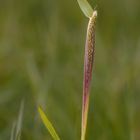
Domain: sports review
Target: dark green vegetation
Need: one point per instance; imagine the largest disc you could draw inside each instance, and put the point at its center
(41, 60)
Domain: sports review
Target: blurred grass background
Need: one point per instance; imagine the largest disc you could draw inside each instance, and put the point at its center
(41, 61)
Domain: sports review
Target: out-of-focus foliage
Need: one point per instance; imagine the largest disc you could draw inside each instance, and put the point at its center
(41, 60)
(17, 125)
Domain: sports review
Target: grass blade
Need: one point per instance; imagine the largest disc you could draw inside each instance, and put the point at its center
(17, 125)
(12, 137)
(48, 124)
(19, 122)
(86, 8)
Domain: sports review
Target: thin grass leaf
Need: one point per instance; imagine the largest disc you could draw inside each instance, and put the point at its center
(18, 135)
(12, 137)
(88, 63)
(48, 124)
(19, 122)
(86, 8)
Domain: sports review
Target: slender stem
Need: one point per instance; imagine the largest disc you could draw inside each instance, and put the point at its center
(88, 63)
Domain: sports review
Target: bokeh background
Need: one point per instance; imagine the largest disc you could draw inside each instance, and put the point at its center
(41, 62)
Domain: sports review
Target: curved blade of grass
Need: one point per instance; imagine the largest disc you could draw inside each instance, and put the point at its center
(12, 137)
(86, 8)
(19, 121)
(88, 63)
(48, 124)
(17, 125)
(18, 136)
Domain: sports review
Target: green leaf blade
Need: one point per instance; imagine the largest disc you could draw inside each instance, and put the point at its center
(19, 121)
(86, 8)
(48, 124)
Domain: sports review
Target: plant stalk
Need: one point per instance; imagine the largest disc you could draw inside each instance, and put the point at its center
(88, 63)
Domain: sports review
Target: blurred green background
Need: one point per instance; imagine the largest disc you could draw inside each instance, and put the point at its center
(41, 61)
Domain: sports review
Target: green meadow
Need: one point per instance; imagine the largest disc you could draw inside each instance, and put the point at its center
(41, 64)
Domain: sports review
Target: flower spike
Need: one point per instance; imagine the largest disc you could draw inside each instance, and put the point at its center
(88, 63)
